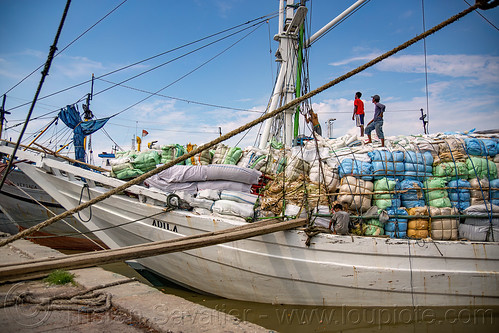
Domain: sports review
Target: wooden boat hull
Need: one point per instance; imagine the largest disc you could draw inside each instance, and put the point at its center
(279, 268)
(24, 212)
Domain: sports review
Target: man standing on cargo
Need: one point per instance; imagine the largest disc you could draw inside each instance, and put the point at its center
(377, 122)
(339, 220)
(358, 112)
(315, 121)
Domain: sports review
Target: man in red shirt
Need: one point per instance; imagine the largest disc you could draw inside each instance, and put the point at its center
(358, 112)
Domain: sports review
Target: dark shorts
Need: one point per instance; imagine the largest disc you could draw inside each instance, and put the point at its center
(359, 120)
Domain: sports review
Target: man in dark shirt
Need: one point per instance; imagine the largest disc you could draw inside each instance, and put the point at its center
(377, 122)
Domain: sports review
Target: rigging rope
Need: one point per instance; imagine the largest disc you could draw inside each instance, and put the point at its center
(72, 42)
(232, 133)
(158, 55)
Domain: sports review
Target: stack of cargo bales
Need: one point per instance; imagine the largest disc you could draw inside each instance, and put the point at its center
(418, 228)
(387, 164)
(479, 193)
(355, 193)
(322, 173)
(227, 155)
(412, 193)
(459, 194)
(444, 228)
(496, 160)
(253, 158)
(418, 166)
(494, 192)
(295, 168)
(171, 152)
(386, 193)
(451, 170)
(146, 160)
(435, 193)
(357, 168)
(481, 168)
(396, 227)
(481, 226)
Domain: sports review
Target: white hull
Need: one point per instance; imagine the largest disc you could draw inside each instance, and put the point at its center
(279, 268)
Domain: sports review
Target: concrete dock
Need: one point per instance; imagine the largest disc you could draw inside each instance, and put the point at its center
(135, 306)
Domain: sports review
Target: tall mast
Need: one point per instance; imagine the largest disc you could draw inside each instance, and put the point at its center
(285, 87)
(290, 21)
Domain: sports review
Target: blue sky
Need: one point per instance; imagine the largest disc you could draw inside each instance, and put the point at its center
(462, 66)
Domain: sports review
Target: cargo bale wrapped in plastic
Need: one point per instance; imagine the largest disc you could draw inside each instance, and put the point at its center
(481, 226)
(373, 227)
(412, 193)
(494, 192)
(276, 161)
(435, 193)
(387, 164)
(459, 194)
(146, 161)
(418, 166)
(443, 228)
(356, 168)
(295, 168)
(125, 171)
(481, 147)
(228, 207)
(418, 228)
(322, 173)
(386, 193)
(355, 193)
(253, 158)
(451, 170)
(171, 152)
(452, 149)
(396, 227)
(479, 193)
(321, 221)
(481, 168)
(226, 155)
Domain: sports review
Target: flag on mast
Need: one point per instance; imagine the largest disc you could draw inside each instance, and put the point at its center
(144, 133)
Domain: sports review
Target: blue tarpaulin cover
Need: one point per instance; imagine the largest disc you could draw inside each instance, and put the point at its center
(71, 117)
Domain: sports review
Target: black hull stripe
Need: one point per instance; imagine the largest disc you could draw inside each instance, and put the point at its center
(46, 204)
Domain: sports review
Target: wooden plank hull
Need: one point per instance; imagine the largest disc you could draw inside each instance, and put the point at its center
(24, 212)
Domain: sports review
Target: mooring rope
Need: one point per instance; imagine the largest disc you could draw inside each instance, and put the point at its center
(243, 128)
(87, 300)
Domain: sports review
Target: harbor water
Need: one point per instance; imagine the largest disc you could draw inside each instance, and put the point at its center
(286, 318)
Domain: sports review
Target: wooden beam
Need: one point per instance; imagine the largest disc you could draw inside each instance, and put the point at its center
(25, 270)
(53, 153)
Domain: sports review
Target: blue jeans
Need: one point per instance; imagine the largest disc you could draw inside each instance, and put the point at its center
(378, 125)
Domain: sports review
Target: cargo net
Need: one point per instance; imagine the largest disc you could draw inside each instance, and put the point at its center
(440, 186)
